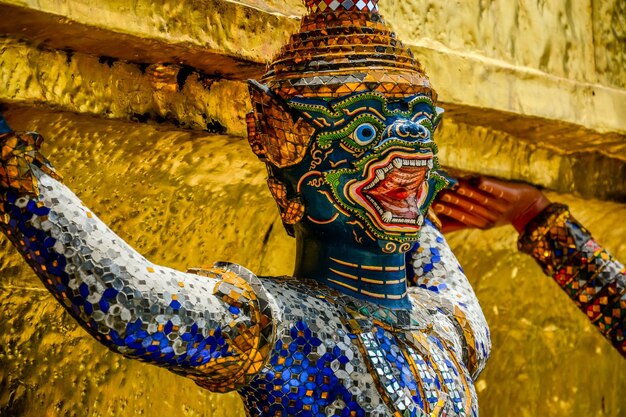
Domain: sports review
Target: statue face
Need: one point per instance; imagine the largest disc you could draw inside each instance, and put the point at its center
(368, 172)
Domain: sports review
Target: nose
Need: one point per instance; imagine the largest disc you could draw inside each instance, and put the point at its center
(407, 130)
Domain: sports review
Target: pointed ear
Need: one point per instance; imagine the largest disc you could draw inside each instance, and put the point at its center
(258, 90)
(253, 136)
(291, 209)
(438, 117)
(276, 132)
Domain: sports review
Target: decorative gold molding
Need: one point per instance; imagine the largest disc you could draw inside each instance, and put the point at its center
(81, 83)
(234, 39)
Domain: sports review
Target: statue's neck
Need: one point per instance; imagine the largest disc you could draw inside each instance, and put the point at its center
(367, 275)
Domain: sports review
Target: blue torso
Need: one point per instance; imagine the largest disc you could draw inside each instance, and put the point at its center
(337, 356)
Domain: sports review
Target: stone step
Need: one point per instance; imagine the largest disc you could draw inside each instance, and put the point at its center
(469, 65)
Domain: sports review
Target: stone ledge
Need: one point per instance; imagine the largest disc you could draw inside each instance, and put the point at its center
(487, 151)
(234, 40)
(468, 79)
(462, 146)
(552, 154)
(560, 137)
(75, 82)
(192, 99)
(231, 40)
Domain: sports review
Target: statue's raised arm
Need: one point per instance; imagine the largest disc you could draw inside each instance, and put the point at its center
(562, 247)
(213, 326)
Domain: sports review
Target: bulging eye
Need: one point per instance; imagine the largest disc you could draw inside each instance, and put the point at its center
(364, 134)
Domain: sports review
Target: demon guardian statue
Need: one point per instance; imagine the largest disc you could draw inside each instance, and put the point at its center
(379, 319)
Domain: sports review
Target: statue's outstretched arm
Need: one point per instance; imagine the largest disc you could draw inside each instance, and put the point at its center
(589, 275)
(441, 285)
(215, 328)
(563, 248)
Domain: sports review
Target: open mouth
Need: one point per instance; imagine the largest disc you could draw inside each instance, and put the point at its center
(395, 188)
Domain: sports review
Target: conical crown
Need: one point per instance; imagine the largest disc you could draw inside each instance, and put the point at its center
(344, 46)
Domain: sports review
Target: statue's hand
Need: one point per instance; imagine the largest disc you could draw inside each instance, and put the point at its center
(20, 151)
(481, 202)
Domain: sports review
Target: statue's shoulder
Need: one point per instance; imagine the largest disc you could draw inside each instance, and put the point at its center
(285, 300)
(302, 297)
(290, 302)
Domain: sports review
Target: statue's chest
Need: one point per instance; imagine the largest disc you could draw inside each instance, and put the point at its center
(331, 367)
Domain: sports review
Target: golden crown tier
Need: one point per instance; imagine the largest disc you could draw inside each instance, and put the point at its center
(342, 48)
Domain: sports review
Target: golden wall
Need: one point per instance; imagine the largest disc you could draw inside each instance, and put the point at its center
(535, 91)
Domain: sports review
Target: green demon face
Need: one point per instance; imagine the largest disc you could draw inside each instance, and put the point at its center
(370, 171)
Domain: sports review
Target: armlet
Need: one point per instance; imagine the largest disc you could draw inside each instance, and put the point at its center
(251, 331)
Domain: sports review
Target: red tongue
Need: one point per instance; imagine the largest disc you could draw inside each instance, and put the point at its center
(395, 191)
(399, 183)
